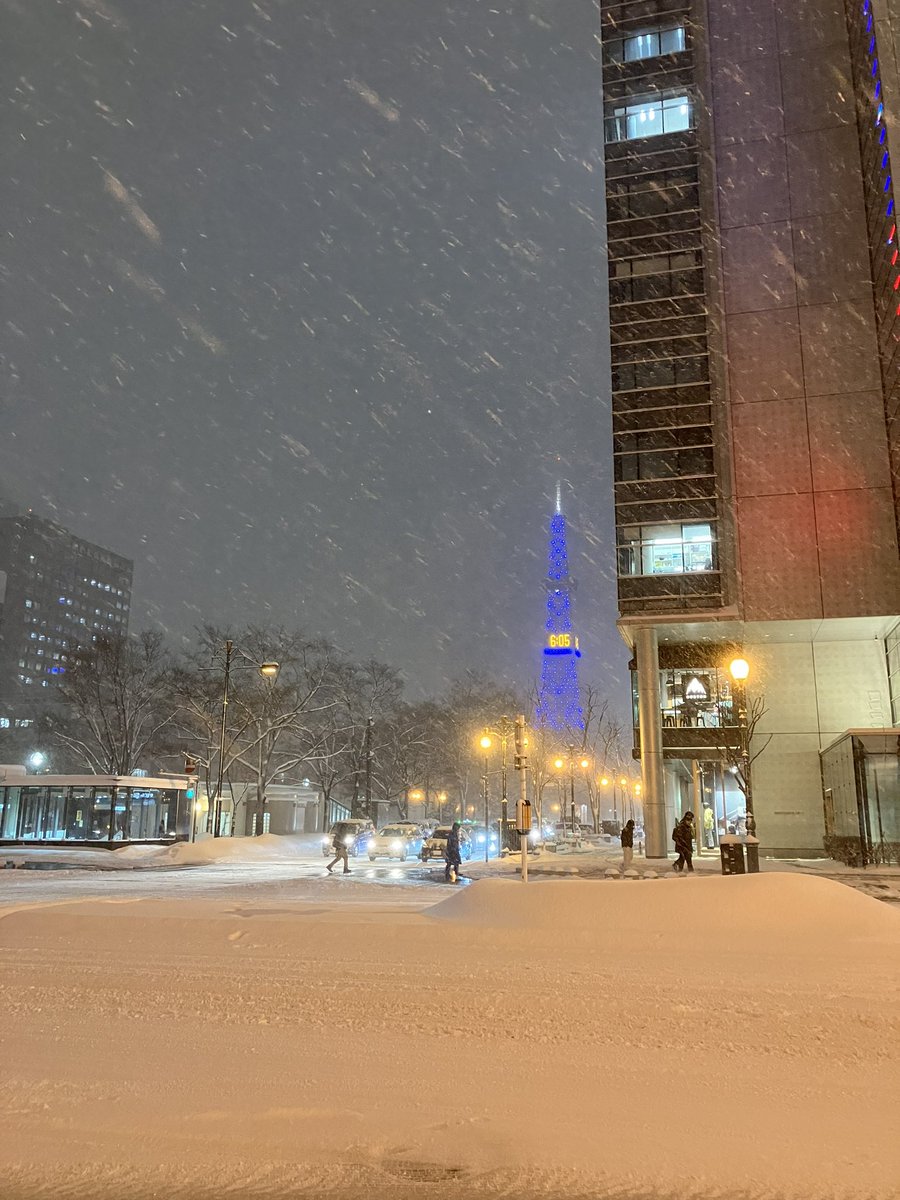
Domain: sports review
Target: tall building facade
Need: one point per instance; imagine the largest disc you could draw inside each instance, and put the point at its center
(754, 326)
(58, 592)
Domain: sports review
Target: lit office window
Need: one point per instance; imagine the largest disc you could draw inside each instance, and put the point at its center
(653, 43)
(649, 118)
(665, 549)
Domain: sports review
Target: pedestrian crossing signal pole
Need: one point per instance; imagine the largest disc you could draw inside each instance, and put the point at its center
(523, 804)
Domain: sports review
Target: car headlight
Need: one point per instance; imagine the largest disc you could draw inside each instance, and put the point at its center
(396, 845)
(372, 843)
(348, 841)
(480, 837)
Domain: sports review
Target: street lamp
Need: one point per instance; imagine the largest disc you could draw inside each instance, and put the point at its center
(560, 764)
(36, 761)
(268, 670)
(740, 671)
(505, 727)
(416, 796)
(485, 743)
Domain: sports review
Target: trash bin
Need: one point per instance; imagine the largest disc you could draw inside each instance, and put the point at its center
(731, 849)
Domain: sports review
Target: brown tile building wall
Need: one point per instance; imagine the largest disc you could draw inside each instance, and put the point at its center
(816, 525)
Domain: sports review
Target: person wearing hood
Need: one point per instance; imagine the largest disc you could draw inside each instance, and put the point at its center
(452, 855)
(683, 837)
(627, 836)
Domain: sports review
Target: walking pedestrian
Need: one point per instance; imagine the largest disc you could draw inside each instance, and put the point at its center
(452, 855)
(627, 836)
(341, 849)
(683, 837)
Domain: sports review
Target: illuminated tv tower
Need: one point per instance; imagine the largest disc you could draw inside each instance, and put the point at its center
(559, 707)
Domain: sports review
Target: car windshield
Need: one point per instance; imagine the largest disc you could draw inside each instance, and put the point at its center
(394, 831)
(441, 833)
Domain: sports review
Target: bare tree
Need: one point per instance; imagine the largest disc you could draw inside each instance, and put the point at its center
(732, 751)
(117, 703)
(271, 723)
(473, 704)
(406, 753)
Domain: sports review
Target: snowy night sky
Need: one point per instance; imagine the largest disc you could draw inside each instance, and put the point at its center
(304, 297)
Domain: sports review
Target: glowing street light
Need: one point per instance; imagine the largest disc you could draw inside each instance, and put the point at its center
(740, 671)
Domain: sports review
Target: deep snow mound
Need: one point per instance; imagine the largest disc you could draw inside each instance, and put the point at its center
(270, 847)
(771, 904)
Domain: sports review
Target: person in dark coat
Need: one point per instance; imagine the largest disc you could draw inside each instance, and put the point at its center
(683, 837)
(452, 853)
(627, 836)
(341, 850)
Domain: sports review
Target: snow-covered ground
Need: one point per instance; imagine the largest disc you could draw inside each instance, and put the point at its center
(255, 1028)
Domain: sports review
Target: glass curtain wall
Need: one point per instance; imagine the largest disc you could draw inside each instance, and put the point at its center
(101, 813)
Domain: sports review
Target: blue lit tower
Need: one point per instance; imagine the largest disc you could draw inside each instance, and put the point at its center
(558, 706)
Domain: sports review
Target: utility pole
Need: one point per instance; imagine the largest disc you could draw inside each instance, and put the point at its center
(523, 805)
(215, 810)
(368, 750)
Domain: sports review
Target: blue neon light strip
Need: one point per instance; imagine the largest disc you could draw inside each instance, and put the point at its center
(882, 134)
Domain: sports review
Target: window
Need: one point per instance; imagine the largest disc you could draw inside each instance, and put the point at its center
(696, 461)
(665, 549)
(647, 44)
(649, 118)
(892, 648)
(656, 277)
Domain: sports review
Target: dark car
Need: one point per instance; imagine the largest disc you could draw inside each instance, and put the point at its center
(354, 834)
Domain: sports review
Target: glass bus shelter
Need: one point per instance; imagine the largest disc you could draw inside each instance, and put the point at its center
(93, 808)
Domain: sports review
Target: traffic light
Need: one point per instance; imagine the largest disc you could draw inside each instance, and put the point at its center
(190, 769)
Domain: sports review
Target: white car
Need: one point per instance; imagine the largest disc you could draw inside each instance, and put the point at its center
(435, 846)
(395, 841)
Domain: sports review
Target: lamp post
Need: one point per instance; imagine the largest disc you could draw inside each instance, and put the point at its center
(416, 796)
(623, 784)
(485, 743)
(505, 729)
(740, 671)
(560, 765)
(604, 783)
(268, 670)
(371, 806)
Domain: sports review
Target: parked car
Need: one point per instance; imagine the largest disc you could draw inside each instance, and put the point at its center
(435, 846)
(354, 833)
(395, 841)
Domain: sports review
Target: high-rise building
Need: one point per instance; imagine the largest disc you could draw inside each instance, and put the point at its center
(57, 593)
(755, 347)
(559, 712)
